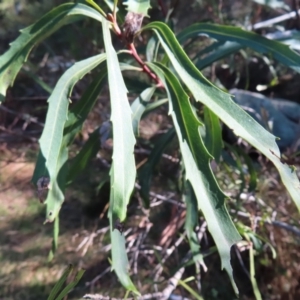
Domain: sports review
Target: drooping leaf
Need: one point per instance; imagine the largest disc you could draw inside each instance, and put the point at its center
(76, 116)
(151, 49)
(37, 79)
(191, 221)
(79, 112)
(223, 106)
(54, 153)
(138, 6)
(244, 38)
(146, 171)
(251, 169)
(138, 107)
(154, 105)
(123, 171)
(239, 166)
(196, 160)
(213, 134)
(71, 285)
(81, 160)
(12, 61)
(55, 290)
(219, 52)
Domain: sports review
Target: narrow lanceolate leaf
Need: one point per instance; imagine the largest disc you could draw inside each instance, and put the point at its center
(198, 172)
(244, 38)
(123, 171)
(146, 171)
(76, 116)
(60, 283)
(79, 112)
(71, 285)
(85, 155)
(191, 221)
(223, 106)
(138, 6)
(213, 134)
(138, 107)
(53, 152)
(12, 61)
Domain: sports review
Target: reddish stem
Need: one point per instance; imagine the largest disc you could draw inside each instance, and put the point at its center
(146, 69)
(133, 52)
(162, 7)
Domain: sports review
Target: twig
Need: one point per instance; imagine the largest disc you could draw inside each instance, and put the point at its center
(11, 132)
(238, 254)
(146, 69)
(144, 297)
(280, 224)
(92, 283)
(162, 198)
(164, 295)
(173, 282)
(25, 117)
(159, 268)
(275, 20)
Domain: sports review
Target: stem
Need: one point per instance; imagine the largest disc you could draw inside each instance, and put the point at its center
(132, 50)
(163, 8)
(146, 69)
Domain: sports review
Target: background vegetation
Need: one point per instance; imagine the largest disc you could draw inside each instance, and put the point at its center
(157, 241)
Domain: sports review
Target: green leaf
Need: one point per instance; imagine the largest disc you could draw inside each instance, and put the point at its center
(154, 105)
(71, 285)
(12, 61)
(54, 153)
(76, 117)
(151, 49)
(191, 221)
(123, 171)
(223, 106)
(219, 50)
(251, 170)
(37, 79)
(138, 6)
(198, 172)
(79, 112)
(87, 152)
(146, 171)
(138, 107)
(213, 134)
(96, 7)
(190, 290)
(244, 38)
(55, 290)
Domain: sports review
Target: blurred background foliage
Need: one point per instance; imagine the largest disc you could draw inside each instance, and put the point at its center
(260, 205)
